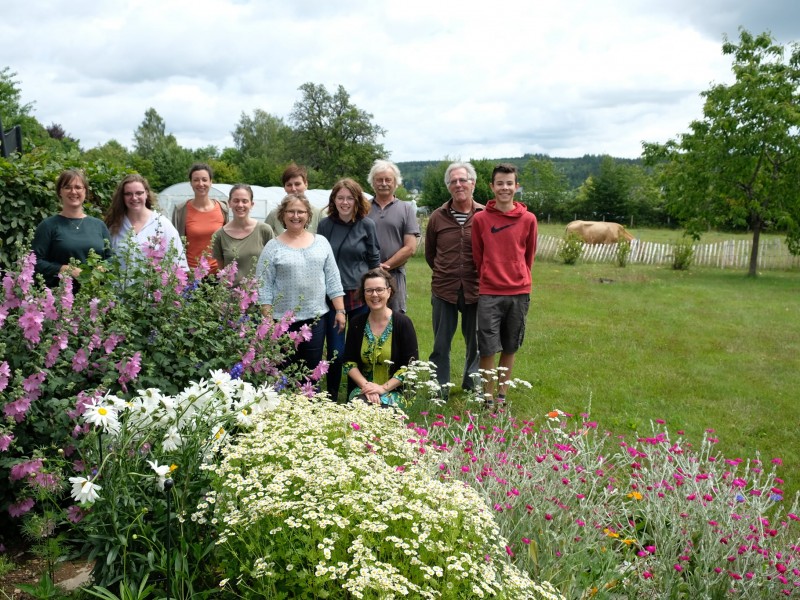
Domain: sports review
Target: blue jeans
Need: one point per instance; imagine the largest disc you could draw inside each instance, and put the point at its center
(334, 339)
(445, 322)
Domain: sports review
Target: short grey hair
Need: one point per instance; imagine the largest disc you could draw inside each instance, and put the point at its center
(379, 166)
(471, 174)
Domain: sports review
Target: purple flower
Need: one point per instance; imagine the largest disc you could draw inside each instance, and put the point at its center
(20, 508)
(129, 369)
(236, 371)
(111, 342)
(308, 389)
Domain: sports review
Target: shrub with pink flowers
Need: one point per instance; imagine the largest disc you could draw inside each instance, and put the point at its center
(600, 515)
(150, 324)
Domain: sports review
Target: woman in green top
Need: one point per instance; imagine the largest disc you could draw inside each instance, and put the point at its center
(380, 344)
(242, 239)
(69, 234)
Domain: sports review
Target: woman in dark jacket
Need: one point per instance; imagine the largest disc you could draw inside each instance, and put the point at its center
(380, 344)
(354, 241)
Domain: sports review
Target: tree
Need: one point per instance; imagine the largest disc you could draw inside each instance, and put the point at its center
(334, 136)
(157, 155)
(262, 147)
(740, 163)
(545, 189)
(111, 152)
(14, 112)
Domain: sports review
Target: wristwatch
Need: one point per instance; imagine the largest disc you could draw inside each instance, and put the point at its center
(341, 311)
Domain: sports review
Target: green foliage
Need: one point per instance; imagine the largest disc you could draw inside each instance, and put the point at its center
(571, 248)
(333, 136)
(740, 164)
(546, 189)
(623, 252)
(682, 254)
(261, 147)
(27, 194)
(157, 155)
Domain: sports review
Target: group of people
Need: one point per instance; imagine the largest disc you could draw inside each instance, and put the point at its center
(342, 273)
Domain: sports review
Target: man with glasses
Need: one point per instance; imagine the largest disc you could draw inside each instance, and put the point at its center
(454, 281)
(396, 226)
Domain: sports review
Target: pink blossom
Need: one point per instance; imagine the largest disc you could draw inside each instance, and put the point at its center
(677, 567)
(5, 441)
(308, 389)
(509, 551)
(202, 269)
(32, 384)
(111, 342)
(129, 369)
(75, 513)
(20, 508)
(320, 370)
(31, 322)
(5, 375)
(18, 408)
(80, 361)
(94, 313)
(777, 461)
(305, 333)
(647, 574)
(25, 469)
(46, 481)
(67, 297)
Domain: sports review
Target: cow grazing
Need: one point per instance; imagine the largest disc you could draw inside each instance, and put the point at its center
(599, 232)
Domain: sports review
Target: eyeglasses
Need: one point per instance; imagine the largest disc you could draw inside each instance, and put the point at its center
(459, 181)
(374, 291)
(139, 194)
(384, 180)
(73, 188)
(344, 199)
(299, 213)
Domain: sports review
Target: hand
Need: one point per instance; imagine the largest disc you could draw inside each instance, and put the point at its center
(341, 321)
(372, 392)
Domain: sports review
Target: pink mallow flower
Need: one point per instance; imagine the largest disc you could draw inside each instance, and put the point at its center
(5, 441)
(5, 375)
(23, 470)
(21, 507)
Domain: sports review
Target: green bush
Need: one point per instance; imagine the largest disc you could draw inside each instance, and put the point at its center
(682, 254)
(28, 195)
(571, 248)
(623, 252)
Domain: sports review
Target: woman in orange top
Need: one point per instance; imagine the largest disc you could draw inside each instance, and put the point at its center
(200, 217)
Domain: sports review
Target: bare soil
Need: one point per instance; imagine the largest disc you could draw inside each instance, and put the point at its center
(28, 568)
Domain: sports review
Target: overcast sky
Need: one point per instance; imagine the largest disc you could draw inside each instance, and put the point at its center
(458, 79)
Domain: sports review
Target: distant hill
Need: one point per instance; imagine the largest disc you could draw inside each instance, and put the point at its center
(575, 169)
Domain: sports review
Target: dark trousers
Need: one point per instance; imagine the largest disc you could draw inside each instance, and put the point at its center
(445, 322)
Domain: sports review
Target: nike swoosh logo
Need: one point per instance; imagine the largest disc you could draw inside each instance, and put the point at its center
(497, 229)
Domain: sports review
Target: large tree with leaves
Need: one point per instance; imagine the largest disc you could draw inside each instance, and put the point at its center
(157, 154)
(262, 147)
(334, 136)
(740, 163)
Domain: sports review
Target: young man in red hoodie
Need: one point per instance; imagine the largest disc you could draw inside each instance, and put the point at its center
(503, 247)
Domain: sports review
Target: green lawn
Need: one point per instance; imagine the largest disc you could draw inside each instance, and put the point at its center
(703, 349)
(664, 236)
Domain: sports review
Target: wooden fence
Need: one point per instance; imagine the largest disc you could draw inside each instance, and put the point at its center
(732, 254)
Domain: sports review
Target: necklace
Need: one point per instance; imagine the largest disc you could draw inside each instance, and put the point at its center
(72, 222)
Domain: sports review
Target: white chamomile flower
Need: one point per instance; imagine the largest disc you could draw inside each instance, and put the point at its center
(161, 472)
(102, 415)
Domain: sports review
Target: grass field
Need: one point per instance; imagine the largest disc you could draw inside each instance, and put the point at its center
(664, 236)
(701, 349)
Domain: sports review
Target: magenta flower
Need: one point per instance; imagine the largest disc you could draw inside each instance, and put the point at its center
(18, 408)
(129, 369)
(20, 508)
(320, 370)
(111, 342)
(355, 426)
(308, 389)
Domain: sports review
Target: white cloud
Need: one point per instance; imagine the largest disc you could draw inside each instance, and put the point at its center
(445, 78)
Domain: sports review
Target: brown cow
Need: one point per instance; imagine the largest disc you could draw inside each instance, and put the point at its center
(599, 232)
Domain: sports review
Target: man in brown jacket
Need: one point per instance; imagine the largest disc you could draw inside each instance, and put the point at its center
(454, 283)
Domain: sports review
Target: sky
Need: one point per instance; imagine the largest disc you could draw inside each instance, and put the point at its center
(459, 80)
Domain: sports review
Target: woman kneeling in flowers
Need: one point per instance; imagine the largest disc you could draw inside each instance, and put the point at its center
(380, 344)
